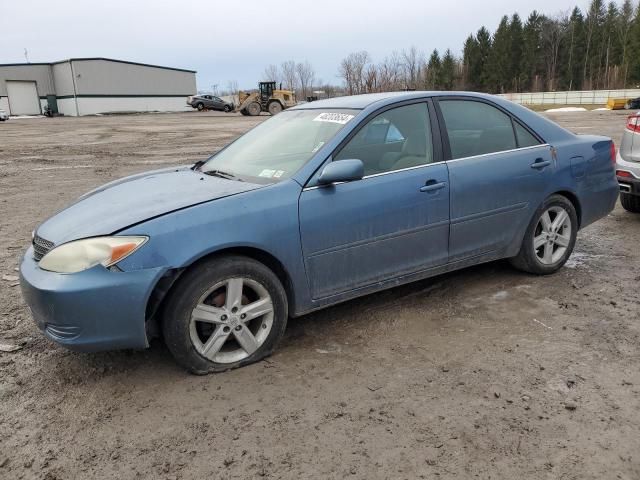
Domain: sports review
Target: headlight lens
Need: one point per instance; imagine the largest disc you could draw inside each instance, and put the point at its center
(81, 255)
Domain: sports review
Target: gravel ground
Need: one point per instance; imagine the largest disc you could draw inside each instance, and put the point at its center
(482, 373)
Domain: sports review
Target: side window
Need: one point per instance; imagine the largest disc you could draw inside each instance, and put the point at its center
(395, 139)
(475, 128)
(525, 139)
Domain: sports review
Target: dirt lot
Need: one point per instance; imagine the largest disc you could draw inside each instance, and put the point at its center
(484, 373)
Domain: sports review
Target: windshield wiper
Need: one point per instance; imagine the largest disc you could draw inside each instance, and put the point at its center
(221, 174)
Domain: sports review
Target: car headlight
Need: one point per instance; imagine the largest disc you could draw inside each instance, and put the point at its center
(81, 255)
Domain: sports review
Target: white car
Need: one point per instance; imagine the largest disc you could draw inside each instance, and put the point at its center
(628, 165)
(3, 116)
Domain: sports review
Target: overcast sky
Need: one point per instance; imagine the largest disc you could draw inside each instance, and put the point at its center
(235, 40)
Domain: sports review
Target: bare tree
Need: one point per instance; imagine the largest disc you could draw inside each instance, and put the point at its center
(390, 73)
(306, 75)
(552, 33)
(271, 74)
(289, 74)
(232, 89)
(412, 61)
(352, 69)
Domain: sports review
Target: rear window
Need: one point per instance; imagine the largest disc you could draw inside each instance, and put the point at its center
(475, 128)
(524, 137)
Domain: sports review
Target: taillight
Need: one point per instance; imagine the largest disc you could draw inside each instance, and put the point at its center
(613, 152)
(633, 123)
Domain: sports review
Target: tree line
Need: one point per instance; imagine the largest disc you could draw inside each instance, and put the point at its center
(574, 50)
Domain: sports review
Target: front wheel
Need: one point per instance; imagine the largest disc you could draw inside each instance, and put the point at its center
(550, 237)
(631, 203)
(227, 108)
(223, 314)
(200, 107)
(254, 109)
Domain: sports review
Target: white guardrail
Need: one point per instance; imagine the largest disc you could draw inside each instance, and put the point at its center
(586, 97)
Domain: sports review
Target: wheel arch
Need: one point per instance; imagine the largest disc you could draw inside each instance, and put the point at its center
(166, 284)
(573, 198)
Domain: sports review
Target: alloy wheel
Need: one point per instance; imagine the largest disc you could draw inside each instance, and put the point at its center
(552, 235)
(232, 320)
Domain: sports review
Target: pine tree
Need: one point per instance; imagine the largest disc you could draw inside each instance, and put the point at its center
(483, 38)
(572, 53)
(500, 58)
(624, 29)
(472, 68)
(516, 52)
(448, 70)
(593, 44)
(634, 46)
(434, 74)
(530, 65)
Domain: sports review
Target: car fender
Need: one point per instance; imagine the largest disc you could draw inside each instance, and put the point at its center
(264, 220)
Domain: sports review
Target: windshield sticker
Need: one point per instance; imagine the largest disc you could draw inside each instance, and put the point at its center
(317, 147)
(340, 118)
(267, 173)
(278, 174)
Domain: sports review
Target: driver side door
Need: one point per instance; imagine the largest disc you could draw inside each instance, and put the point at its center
(395, 221)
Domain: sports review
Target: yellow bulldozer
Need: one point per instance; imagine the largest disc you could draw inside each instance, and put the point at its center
(268, 98)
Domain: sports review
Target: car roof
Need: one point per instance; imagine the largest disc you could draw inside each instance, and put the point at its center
(361, 102)
(546, 129)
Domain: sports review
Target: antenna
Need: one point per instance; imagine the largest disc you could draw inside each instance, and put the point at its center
(26, 55)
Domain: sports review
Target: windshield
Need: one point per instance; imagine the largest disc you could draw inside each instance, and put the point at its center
(278, 147)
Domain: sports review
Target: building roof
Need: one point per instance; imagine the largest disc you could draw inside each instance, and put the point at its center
(84, 59)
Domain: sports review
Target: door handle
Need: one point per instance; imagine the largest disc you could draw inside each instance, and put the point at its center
(540, 163)
(432, 186)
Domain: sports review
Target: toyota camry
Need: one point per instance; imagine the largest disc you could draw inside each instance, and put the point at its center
(322, 203)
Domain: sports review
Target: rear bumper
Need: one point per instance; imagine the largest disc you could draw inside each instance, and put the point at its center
(628, 185)
(89, 311)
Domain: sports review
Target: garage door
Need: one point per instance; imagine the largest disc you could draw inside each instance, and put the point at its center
(23, 98)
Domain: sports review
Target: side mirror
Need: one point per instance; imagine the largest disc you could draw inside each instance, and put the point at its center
(342, 171)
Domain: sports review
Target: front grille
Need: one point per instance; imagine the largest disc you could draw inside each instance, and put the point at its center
(40, 247)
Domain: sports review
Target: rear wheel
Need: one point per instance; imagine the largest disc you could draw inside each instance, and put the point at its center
(631, 203)
(254, 109)
(223, 314)
(550, 237)
(275, 108)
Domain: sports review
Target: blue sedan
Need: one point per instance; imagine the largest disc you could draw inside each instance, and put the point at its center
(322, 203)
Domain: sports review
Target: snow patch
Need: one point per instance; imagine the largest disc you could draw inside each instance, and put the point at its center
(566, 109)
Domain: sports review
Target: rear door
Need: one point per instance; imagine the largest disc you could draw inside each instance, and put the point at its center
(498, 171)
(394, 221)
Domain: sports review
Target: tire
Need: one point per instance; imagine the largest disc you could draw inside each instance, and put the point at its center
(254, 109)
(244, 112)
(631, 203)
(227, 108)
(200, 107)
(558, 241)
(274, 108)
(203, 291)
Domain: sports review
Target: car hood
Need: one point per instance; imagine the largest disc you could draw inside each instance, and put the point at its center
(134, 199)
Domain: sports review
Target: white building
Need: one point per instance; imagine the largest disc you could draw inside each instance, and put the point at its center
(86, 86)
